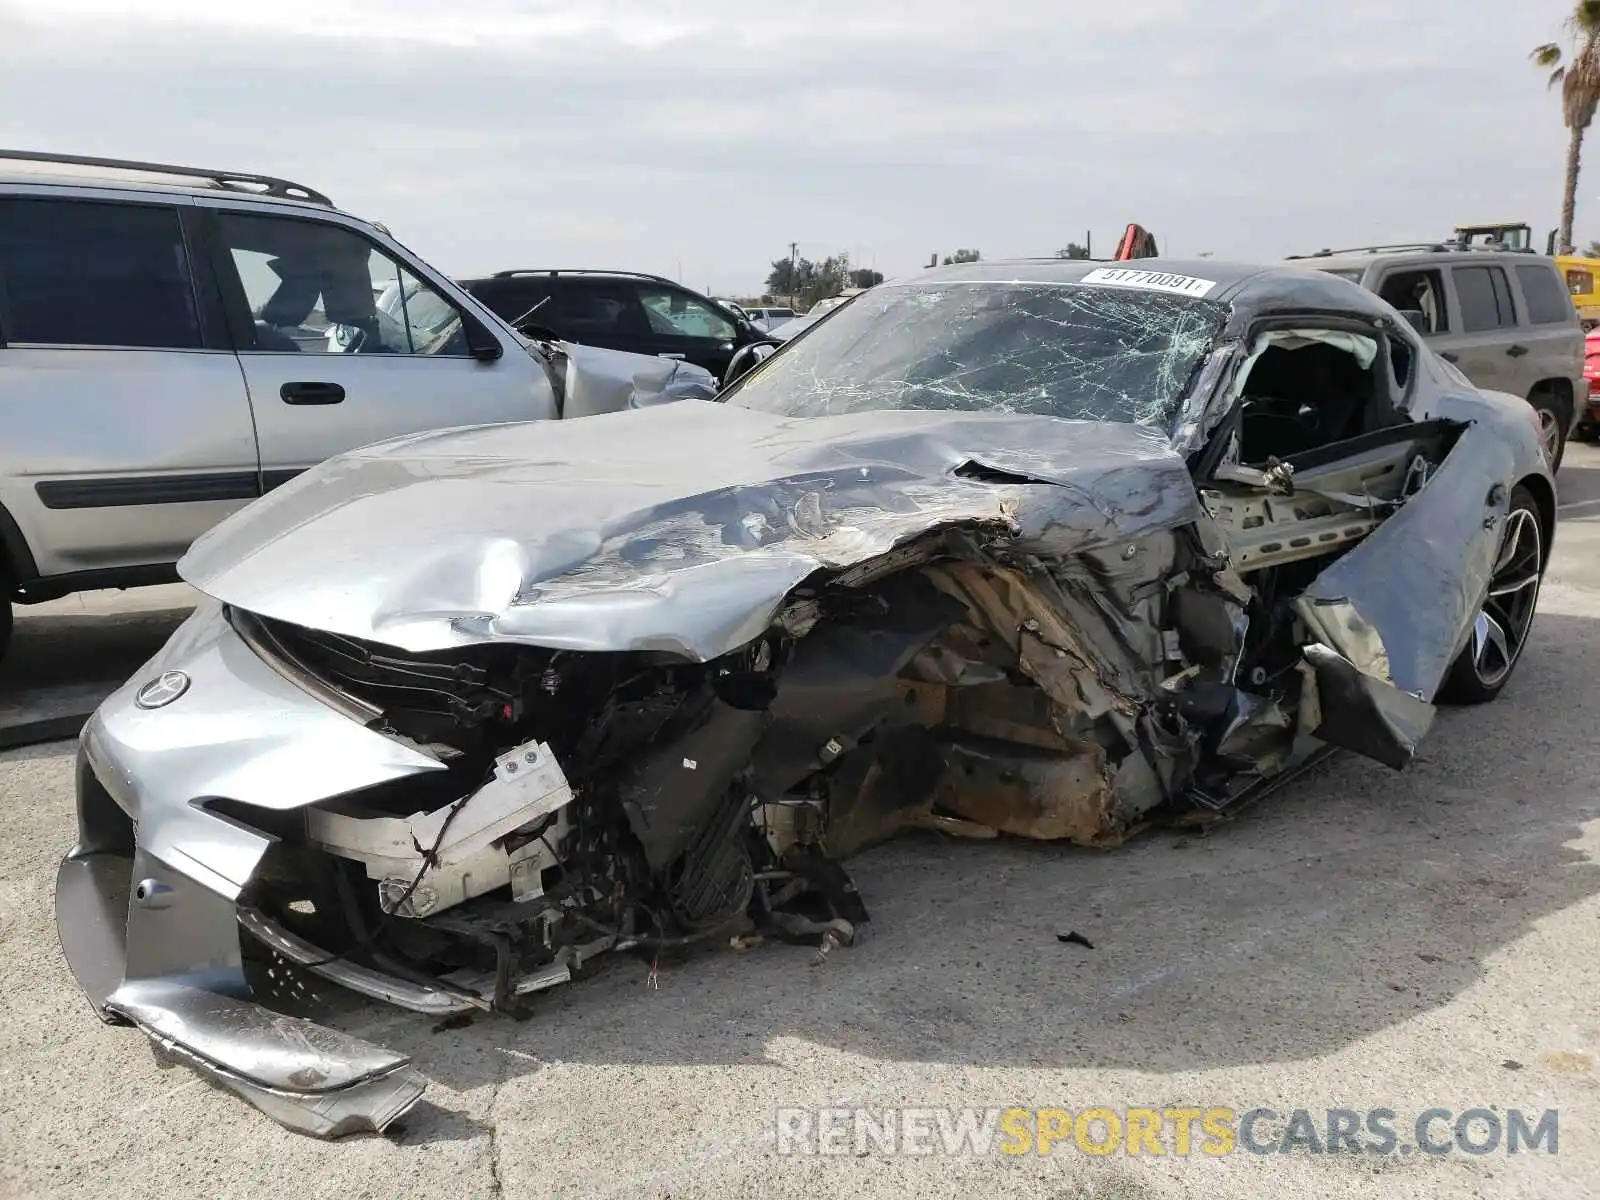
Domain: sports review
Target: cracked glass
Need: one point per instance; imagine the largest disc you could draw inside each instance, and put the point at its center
(1051, 349)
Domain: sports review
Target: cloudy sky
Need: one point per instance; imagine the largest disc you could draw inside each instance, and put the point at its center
(698, 138)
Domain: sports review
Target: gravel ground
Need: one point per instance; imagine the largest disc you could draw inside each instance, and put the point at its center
(1363, 940)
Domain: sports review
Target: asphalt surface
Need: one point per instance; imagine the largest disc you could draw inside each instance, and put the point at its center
(69, 654)
(1362, 940)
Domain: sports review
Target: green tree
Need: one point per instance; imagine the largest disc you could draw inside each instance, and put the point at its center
(809, 281)
(964, 256)
(828, 278)
(1576, 68)
(862, 277)
(1073, 250)
(788, 278)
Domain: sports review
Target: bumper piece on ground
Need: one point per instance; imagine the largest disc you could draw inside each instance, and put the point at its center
(303, 1075)
(306, 1076)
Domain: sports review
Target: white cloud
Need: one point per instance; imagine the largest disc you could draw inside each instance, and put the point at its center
(645, 133)
(467, 25)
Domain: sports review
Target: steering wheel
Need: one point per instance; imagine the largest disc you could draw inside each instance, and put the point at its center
(747, 357)
(1272, 426)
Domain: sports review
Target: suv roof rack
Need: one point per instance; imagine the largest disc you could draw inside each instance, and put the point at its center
(1444, 247)
(239, 181)
(1396, 247)
(583, 271)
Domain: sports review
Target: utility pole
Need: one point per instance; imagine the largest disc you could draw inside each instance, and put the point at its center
(794, 257)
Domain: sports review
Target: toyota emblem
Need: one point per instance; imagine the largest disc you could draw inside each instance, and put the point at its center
(163, 690)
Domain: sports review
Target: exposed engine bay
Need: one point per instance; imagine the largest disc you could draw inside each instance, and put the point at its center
(598, 801)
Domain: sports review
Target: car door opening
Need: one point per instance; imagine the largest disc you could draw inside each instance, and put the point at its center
(1307, 388)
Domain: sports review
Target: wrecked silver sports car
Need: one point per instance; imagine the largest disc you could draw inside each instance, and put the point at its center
(1031, 549)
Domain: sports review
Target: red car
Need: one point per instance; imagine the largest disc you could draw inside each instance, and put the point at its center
(1589, 426)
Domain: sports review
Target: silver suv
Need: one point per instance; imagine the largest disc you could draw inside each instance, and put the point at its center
(1503, 317)
(176, 342)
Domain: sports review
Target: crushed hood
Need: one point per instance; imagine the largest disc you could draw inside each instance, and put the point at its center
(680, 528)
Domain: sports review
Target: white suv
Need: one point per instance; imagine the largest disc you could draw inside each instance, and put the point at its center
(176, 342)
(769, 318)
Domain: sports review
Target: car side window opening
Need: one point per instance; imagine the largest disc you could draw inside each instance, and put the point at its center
(677, 314)
(315, 288)
(1308, 388)
(1484, 295)
(93, 273)
(1401, 363)
(433, 325)
(1418, 291)
(1547, 303)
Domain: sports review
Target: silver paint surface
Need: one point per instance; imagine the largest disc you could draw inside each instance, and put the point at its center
(680, 528)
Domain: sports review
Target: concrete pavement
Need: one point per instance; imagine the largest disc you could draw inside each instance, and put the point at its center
(69, 654)
(1364, 939)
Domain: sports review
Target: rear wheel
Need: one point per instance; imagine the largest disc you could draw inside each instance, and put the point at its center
(5, 621)
(1500, 630)
(1554, 420)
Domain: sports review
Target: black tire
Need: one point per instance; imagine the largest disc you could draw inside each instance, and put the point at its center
(1504, 622)
(5, 621)
(1555, 419)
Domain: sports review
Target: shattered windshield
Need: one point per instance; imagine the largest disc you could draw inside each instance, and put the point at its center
(1060, 350)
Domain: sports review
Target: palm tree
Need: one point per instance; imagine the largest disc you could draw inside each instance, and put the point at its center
(1578, 73)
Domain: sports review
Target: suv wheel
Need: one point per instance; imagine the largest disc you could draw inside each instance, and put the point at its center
(5, 622)
(1553, 422)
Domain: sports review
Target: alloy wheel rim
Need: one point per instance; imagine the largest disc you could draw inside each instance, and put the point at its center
(1549, 433)
(1501, 627)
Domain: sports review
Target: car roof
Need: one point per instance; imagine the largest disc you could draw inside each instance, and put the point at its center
(1072, 270)
(527, 274)
(1244, 286)
(31, 169)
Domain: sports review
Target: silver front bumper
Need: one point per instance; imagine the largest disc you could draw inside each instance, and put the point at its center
(147, 902)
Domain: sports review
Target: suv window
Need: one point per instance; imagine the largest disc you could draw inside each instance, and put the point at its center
(678, 314)
(514, 298)
(1485, 298)
(313, 287)
(90, 273)
(1548, 303)
(1418, 291)
(591, 309)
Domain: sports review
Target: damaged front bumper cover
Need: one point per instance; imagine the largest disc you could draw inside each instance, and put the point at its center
(148, 905)
(307, 1076)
